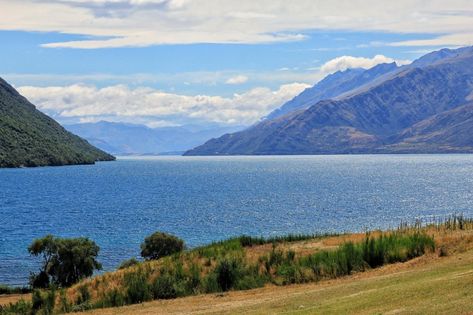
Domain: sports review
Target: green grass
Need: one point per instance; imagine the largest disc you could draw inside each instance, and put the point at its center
(224, 266)
(4, 289)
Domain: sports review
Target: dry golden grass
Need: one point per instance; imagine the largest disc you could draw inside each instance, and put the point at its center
(426, 285)
(13, 298)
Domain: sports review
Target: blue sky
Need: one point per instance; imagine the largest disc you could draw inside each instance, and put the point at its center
(172, 62)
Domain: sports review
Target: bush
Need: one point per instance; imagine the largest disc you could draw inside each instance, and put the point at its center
(248, 241)
(211, 284)
(37, 300)
(195, 282)
(44, 301)
(138, 289)
(65, 306)
(114, 298)
(290, 273)
(276, 257)
(129, 263)
(228, 272)
(84, 295)
(163, 287)
(371, 253)
(14, 290)
(21, 307)
(160, 245)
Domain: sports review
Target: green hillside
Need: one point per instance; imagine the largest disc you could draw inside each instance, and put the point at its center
(30, 138)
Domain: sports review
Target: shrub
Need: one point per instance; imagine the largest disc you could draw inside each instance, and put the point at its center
(114, 298)
(163, 287)
(276, 257)
(247, 241)
(65, 306)
(290, 255)
(211, 284)
(160, 244)
(50, 301)
(220, 249)
(37, 300)
(195, 281)
(372, 252)
(14, 290)
(21, 307)
(44, 301)
(137, 287)
(129, 263)
(84, 295)
(290, 273)
(228, 272)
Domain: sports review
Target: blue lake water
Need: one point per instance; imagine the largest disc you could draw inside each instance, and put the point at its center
(202, 199)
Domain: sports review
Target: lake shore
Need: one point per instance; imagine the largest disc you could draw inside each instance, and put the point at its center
(439, 280)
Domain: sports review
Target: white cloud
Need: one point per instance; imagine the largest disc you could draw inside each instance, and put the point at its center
(239, 79)
(124, 23)
(346, 62)
(85, 102)
(455, 40)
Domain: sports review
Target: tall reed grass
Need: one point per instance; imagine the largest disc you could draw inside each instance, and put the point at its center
(223, 266)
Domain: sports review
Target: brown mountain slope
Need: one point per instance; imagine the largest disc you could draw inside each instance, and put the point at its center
(367, 122)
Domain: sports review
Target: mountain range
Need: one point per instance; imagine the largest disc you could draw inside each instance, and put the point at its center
(424, 107)
(31, 138)
(136, 139)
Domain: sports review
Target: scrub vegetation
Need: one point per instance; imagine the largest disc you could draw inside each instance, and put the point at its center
(245, 263)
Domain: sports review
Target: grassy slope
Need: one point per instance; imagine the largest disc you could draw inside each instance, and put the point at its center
(429, 284)
(30, 138)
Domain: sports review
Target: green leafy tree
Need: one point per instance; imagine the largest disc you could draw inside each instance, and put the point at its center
(159, 245)
(65, 261)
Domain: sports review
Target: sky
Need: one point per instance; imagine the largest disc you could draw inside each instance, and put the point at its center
(180, 62)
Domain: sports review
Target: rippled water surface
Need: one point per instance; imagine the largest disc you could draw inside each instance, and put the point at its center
(204, 199)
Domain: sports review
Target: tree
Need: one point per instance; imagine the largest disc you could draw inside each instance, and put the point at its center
(160, 244)
(65, 261)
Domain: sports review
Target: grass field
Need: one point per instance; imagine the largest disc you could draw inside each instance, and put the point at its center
(425, 285)
(439, 282)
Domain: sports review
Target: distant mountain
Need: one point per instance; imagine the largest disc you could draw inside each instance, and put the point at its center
(450, 131)
(420, 108)
(30, 138)
(134, 139)
(332, 86)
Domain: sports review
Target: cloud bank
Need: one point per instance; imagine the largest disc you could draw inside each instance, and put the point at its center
(89, 103)
(138, 23)
(119, 102)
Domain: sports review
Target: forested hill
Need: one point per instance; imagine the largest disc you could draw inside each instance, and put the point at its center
(31, 138)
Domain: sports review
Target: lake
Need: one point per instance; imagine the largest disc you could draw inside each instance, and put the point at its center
(202, 199)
